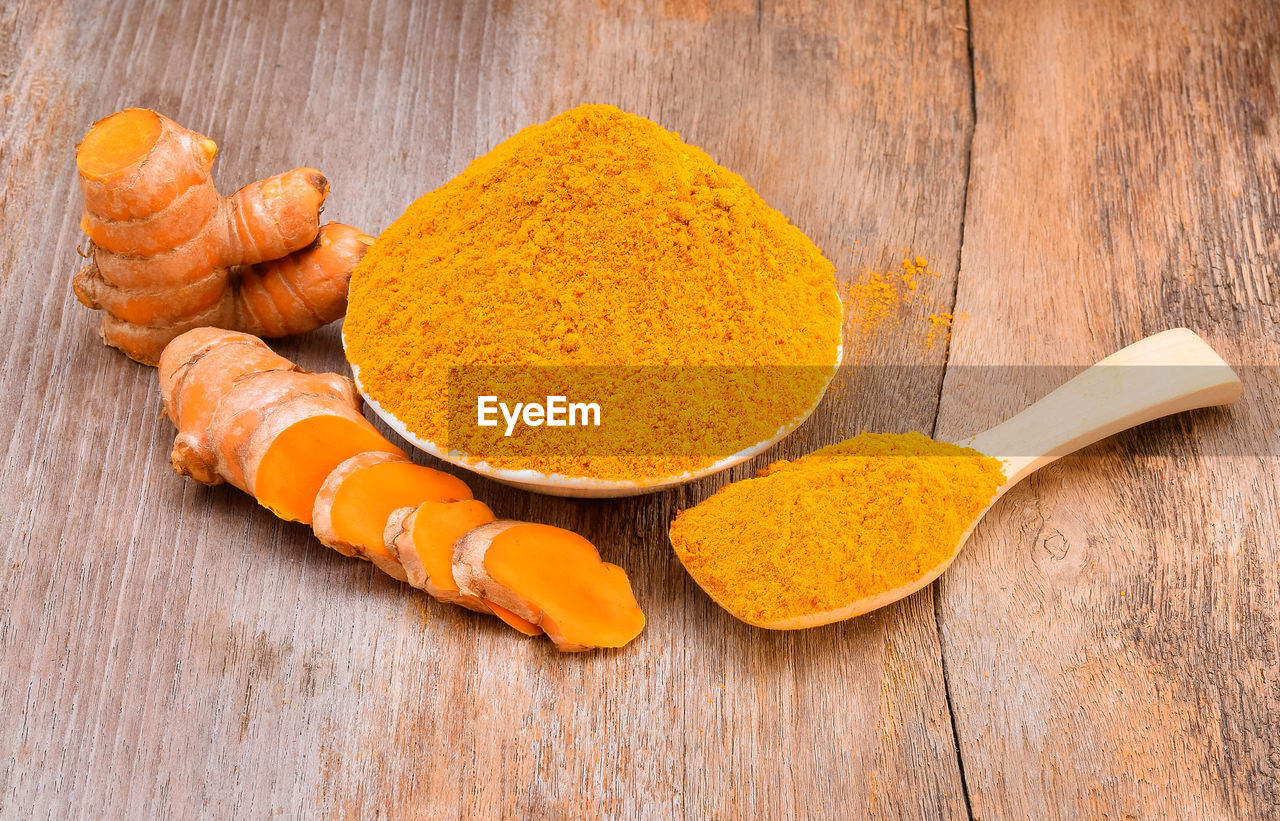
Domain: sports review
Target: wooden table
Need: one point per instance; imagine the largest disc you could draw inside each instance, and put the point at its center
(1079, 174)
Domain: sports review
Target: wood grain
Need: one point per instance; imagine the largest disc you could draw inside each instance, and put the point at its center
(1110, 632)
(172, 650)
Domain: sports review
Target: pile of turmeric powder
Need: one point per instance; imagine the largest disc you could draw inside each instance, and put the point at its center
(842, 524)
(598, 239)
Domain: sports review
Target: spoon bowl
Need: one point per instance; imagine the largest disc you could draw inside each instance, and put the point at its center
(1167, 373)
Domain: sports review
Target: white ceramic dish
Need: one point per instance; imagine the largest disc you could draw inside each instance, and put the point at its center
(555, 484)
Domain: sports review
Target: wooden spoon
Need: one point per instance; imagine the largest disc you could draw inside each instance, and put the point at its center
(1167, 373)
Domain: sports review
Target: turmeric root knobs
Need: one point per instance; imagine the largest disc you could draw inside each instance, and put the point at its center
(298, 443)
(170, 254)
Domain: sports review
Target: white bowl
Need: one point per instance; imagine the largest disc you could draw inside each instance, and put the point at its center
(555, 484)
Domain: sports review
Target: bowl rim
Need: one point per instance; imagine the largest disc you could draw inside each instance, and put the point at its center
(532, 479)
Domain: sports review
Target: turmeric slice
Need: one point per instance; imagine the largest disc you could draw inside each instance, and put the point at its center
(276, 433)
(170, 254)
(553, 578)
(298, 446)
(512, 620)
(297, 442)
(353, 505)
(422, 540)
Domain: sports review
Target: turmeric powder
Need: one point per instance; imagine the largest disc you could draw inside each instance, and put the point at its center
(595, 242)
(844, 523)
(878, 298)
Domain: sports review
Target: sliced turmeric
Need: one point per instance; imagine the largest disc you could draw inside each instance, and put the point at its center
(512, 620)
(552, 577)
(170, 254)
(298, 443)
(353, 505)
(422, 540)
(276, 432)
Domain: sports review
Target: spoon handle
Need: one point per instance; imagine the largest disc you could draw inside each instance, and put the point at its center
(1166, 373)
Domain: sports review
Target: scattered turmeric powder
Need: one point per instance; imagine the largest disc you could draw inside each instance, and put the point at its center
(595, 239)
(892, 299)
(876, 298)
(842, 524)
(939, 324)
(872, 300)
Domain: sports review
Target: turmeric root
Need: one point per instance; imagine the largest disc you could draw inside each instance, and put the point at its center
(551, 577)
(351, 510)
(248, 416)
(170, 254)
(422, 539)
(297, 442)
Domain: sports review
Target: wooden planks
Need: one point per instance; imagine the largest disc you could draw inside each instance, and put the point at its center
(1110, 634)
(173, 650)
